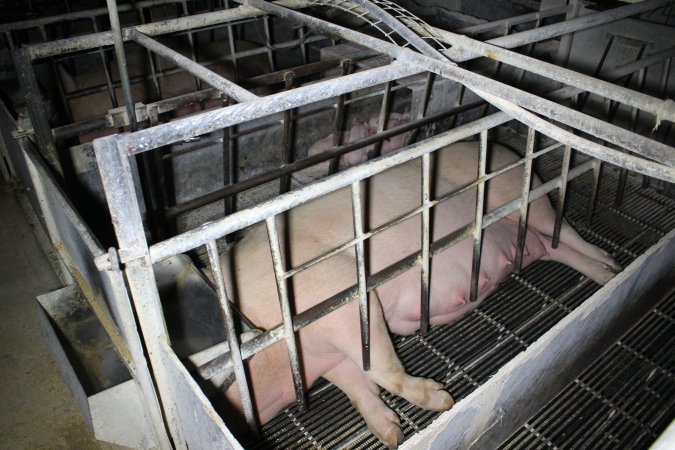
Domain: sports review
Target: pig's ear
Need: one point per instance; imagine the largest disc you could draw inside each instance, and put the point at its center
(69, 84)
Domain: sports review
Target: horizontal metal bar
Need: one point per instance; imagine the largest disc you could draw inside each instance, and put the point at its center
(102, 39)
(496, 24)
(76, 15)
(207, 122)
(663, 109)
(274, 335)
(290, 168)
(507, 96)
(221, 83)
(221, 227)
(568, 26)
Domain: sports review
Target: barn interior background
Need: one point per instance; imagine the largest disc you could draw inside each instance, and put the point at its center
(103, 126)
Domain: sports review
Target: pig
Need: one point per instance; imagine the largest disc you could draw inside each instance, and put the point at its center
(394, 120)
(331, 347)
(357, 131)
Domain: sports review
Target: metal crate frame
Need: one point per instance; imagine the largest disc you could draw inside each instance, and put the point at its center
(137, 256)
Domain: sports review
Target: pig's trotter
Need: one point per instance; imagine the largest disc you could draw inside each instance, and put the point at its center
(422, 392)
(364, 395)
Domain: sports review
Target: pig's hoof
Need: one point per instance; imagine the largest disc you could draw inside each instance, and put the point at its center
(441, 400)
(430, 395)
(386, 427)
(393, 437)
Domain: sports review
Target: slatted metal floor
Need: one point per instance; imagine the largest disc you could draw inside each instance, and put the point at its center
(465, 354)
(624, 400)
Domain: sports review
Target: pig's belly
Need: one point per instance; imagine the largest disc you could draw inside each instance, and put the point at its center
(451, 278)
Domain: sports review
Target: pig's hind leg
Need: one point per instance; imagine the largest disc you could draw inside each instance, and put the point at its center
(595, 269)
(542, 218)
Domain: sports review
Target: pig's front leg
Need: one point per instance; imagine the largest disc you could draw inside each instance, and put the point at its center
(364, 395)
(386, 369)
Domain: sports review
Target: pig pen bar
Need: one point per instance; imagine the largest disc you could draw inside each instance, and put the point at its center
(191, 420)
(117, 149)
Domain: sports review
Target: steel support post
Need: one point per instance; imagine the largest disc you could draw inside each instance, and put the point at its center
(118, 184)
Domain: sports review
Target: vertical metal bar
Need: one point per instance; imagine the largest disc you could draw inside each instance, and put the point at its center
(478, 221)
(268, 43)
(59, 84)
(498, 67)
(106, 70)
(232, 340)
(151, 58)
(562, 192)
(425, 103)
(635, 115)
(193, 53)
(36, 109)
(426, 243)
(364, 313)
(233, 159)
(384, 116)
(227, 162)
(565, 47)
(593, 192)
(120, 193)
(286, 316)
(598, 68)
(288, 138)
(122, 62)
(458, 101)
(345, 64)
(233, 48)
(662, 133)
(524, 199)
(303, 46)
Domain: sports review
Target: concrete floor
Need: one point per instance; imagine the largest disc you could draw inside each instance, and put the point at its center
(36, 408)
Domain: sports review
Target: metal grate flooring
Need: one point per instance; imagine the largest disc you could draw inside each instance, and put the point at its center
(466, 353)
(624, 400)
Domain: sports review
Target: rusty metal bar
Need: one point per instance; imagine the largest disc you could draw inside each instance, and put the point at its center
(364, 310)
(593, 192)
(428, 84)
(307, 162)
(478, 220)
(562, 191)
(122, 62)
(288, 137)
(524, 200)
(346, 66)
(635, 114)
(287, 317)
(232, 340)
(384, 116)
